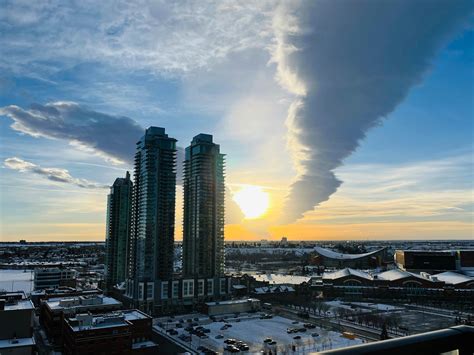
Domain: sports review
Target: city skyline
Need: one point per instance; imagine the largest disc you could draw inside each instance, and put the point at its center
(375, 147)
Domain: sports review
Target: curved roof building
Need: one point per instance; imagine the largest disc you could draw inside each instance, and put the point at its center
(332, 258)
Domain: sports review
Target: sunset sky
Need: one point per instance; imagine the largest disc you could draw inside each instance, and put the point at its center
(353, 118)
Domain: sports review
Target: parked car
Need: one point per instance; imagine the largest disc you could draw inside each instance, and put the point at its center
(219, 336)
(244, 347)
(297, 337)
(309, 326)
(267, 340)
(314, 335)
(302, 330)
(230, 341)
(232, 349)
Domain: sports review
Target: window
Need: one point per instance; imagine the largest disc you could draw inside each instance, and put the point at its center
(210, 287)
(150, 290)
(200, 287)
(188, 288)
(222, 286)
(175, 289)
(140, 290)
(164, 290)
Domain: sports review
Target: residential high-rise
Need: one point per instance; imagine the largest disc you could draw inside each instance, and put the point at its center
(203, 227)
(118, 228)
(153, 211)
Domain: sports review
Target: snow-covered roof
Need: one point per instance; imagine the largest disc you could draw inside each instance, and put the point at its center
(335, 255)
(453, 277)
(346, 272)
(392, 275)
(273, 289)
(280, 279)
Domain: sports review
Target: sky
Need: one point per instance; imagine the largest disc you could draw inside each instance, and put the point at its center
(355, 119)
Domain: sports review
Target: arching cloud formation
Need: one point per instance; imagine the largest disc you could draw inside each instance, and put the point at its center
(350, 63)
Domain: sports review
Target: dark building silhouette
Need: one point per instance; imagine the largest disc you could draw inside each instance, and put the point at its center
(153, 211)
(119, 206)
(203, 227)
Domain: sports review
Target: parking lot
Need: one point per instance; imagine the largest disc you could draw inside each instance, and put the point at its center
(252, 330)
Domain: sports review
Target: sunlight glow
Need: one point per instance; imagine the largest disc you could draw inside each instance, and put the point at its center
(252, 200)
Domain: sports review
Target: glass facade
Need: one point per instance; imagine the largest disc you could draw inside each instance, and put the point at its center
(203, 225)
(153, 212)
(117, 230)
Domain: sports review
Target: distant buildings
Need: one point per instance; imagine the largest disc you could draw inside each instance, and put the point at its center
(54, 277)
(16, 324)
(330, 258)
(396, 285)
(203, 226)
(435, 260)
(119, 207)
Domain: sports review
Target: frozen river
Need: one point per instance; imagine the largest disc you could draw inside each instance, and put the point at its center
(16, 280)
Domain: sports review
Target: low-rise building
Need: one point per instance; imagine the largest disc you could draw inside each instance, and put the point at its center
(53, 277)
(16, 324)
(124, 332)
(234, 306)
(435, 260)
(54, 310)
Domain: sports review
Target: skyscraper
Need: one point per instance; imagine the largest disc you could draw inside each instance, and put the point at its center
(118, 228)
(152, 239)
(203, 227)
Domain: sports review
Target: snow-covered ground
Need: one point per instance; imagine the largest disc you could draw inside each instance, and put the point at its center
(16, 280)
(253, 331)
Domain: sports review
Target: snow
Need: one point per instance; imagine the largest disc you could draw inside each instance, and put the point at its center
(392, 275)
(16, 280)
(274, 289)
(280, 279)
(452, 277)
(376, 306)
(346, 272)
(340, 256)
(253, 330)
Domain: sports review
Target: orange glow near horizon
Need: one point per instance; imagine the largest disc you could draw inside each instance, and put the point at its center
(253, 201)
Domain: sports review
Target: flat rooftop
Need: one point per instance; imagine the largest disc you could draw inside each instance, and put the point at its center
(17, 305)
(54, 303)
(16, 343)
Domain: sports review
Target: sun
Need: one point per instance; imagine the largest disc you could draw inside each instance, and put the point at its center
(252, 200)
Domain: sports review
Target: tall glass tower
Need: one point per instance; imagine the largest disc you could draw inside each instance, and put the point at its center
(152, 239)
(203, 227)
(119, 203)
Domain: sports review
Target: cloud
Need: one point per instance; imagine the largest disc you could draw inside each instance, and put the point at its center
(161, 36)
(53, 174)
(111, 137)
(351, 64)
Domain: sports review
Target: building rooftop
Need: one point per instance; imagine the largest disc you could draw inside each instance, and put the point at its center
(453, 278)
(16, 343)
(392, 275)
(346, 272)
(280, 279)
(340, 256)
(89, 301)
(15, 305)
(112, 319)
(232, 302)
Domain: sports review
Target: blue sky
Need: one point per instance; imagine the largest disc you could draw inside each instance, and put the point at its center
(225, 68)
